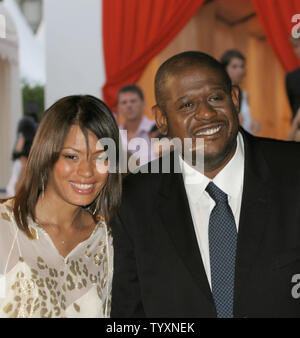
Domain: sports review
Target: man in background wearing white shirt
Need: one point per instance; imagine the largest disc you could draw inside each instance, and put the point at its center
(131, 106)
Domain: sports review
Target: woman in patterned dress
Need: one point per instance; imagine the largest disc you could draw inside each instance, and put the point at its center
(56, 254)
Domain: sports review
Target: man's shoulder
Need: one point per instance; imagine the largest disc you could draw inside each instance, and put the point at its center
(272, 143)
(143, 175)
(149, 176)
(294, 74)
(280, 154)
(140, 179)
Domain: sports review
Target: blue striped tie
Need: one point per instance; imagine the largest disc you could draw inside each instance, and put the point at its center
(222, 248)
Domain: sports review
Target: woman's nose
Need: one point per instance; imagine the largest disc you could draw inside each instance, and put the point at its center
(85, 168)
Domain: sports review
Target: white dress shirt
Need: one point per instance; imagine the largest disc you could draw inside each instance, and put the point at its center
(143, 133)
(230, 180)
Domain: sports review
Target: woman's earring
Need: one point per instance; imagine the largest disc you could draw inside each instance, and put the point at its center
(43, 188)
(96, 206)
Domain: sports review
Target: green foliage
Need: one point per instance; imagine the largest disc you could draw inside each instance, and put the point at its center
(33, 99)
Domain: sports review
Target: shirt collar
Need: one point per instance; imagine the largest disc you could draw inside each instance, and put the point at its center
(230, 178)
(197, 182)
(145, 126)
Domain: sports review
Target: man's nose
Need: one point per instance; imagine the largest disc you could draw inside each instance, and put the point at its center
(128, 105)
(204, 112)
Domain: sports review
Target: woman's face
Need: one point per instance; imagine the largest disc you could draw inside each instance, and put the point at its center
(79, 173)
(236, 70)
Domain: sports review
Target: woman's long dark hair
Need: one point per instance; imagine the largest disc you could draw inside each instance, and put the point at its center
(89, 113)
(231, 54)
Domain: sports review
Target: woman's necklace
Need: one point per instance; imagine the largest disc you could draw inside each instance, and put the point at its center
(56, 227)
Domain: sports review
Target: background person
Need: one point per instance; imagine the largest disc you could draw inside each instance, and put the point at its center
(25, 135)
(234, 63)
(131, 106)
(161, 146)
(55, 244)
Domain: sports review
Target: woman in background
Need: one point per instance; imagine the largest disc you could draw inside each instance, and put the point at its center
(234, 63)
(25, 134)
(56, 253)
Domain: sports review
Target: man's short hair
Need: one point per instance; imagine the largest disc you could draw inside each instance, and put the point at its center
(178, 63)
(133, 89)
(231, 54)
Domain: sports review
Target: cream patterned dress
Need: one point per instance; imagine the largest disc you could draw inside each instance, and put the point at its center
(37, 281)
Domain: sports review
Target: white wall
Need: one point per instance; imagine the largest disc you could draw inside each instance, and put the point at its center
(74, 61)
(31, 51)
(10, 95)
(10, 114)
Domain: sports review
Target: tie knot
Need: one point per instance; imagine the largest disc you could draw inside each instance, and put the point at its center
(216, 194)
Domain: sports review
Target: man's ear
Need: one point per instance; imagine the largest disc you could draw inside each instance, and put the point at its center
(235, 95)
(161, 119)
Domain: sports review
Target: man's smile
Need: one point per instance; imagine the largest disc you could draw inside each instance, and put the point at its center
(207, 130)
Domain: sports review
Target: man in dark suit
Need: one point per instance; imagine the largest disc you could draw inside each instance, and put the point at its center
(221, 240)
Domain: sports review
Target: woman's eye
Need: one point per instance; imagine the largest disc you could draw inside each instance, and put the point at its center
(70, 157)
(101, 158)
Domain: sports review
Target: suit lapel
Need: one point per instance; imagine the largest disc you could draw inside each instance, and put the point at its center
(176, 217)
(254, 213)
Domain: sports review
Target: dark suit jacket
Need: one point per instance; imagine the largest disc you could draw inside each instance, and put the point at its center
(292, 82)
(158, 270)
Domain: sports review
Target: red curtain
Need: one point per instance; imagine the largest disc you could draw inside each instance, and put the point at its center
(276, 19)
(134, 31)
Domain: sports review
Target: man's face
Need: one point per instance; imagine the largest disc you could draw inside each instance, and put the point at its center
(198, 105)
(130, 105)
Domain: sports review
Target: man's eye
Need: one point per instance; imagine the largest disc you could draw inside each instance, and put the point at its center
(186, 105)
(215, 98)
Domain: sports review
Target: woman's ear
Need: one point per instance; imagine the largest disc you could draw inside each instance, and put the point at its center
(161, 119)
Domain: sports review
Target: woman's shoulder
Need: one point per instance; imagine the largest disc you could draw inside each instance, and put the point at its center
(103, 227)
(6, 210)
(7, 223)
(101, 222)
